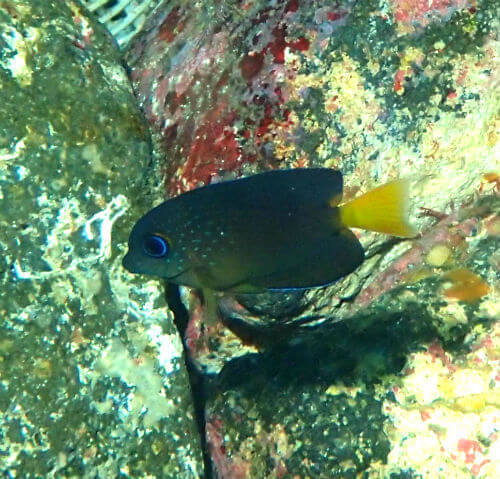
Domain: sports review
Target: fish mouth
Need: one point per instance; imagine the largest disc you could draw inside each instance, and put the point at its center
(170, 278)
(128, 264)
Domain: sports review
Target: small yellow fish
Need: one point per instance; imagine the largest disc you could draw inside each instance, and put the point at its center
(466, 285)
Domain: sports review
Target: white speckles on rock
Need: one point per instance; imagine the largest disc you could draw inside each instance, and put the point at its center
(148, 397)
(468, 381)
(92, 155)
(16, 50)
(61, 239)
(21, 172)
(170, 347)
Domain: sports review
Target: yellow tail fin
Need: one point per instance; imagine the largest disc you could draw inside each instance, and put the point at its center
(384, 209)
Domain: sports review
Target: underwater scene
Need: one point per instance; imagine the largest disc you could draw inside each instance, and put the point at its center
(249, 239)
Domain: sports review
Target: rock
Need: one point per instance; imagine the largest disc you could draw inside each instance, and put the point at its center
(92, 375)
(379, 91)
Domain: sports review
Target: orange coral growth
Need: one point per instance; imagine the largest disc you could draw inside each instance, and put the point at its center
(466, 286)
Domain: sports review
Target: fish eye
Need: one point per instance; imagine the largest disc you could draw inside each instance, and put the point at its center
(156, 246)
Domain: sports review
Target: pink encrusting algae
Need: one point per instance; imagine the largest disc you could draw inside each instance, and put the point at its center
(424, 11)
(215, 140)
(214, 149)
(227, 465)
(404, 268)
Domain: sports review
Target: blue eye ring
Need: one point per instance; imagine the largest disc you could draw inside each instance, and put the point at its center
(156, 245)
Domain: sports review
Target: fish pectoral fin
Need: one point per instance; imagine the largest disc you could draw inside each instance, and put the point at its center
(208, 280)
(204, 276)
(211, 306)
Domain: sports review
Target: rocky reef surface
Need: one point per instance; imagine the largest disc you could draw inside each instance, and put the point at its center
(92, 375)
(367, 377)
(392, 372)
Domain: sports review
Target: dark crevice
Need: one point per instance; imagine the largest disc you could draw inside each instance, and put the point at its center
(196, 378)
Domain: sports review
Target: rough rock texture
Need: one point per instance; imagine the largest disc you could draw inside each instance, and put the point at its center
(379, 393)
(311, 382)
(92, 376)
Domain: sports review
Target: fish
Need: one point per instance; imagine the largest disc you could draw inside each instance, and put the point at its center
(465, 285)
(277, 230)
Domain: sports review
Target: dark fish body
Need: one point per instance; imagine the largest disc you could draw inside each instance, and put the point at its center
(276, 230)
